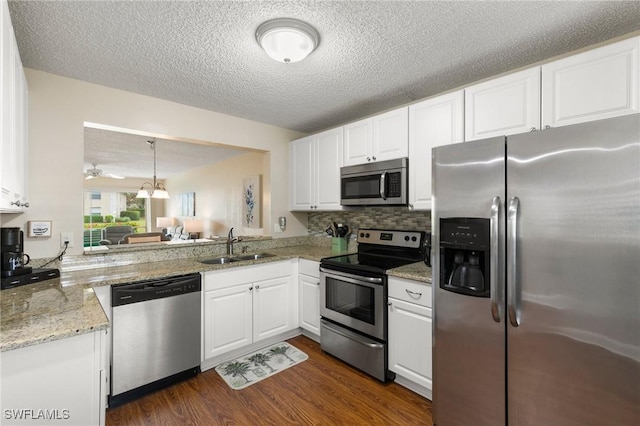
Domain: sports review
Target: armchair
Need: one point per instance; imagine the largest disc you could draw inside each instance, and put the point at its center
(113, 234)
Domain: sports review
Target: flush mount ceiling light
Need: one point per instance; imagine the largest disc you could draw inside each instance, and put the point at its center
(287, 40)
(157, 189)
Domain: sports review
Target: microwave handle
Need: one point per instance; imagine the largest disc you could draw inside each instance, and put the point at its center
(383, 185)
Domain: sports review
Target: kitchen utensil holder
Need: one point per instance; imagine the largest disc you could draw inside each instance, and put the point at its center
(338, 244)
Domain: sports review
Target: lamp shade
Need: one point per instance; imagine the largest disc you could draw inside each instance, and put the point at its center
(160, 193)
(287, 40)
(143, 193)
(193, 225)
(165, 222)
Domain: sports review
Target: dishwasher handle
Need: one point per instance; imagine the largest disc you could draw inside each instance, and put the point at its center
(154, 289)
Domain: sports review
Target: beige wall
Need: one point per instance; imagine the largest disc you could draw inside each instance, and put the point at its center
(218, 192)
(59, 106)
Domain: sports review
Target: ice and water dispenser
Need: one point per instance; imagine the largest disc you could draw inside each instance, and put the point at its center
(465, 256)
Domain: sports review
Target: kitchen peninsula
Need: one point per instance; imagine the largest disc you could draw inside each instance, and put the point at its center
(39, 320)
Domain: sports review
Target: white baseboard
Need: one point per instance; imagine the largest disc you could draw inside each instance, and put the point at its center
(414, 387)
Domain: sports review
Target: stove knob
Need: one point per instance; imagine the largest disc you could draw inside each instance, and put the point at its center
(361, 234)
(367, 235)
(414, 239)
(406, 238)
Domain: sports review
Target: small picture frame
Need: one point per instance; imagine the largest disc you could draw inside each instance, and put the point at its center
(39, 228)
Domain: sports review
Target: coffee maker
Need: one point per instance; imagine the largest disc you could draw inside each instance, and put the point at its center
(14, 260)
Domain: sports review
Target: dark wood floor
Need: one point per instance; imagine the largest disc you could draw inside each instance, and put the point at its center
(320, 391)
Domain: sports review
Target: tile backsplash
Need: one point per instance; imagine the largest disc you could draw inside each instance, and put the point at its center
(371, 217)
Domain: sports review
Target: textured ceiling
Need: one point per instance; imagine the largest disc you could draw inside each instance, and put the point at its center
(373, 55)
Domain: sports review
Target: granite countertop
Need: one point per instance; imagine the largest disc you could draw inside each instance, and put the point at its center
(67, 306)
(416, 271)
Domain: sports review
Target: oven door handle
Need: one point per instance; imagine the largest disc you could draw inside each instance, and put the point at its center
(373, 345)
(350, 278)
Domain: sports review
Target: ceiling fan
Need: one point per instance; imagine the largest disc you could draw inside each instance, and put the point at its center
(97, 173)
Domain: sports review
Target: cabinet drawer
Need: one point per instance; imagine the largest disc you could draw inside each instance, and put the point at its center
(410, 291)
(214, 280)
(309, 267)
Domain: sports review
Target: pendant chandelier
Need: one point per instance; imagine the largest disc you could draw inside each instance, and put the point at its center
(155, 190)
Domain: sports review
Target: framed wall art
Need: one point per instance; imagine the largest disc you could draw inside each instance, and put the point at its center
(39, 228)
(251, 202)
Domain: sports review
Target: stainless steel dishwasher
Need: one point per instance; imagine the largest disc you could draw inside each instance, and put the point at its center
(156, 335)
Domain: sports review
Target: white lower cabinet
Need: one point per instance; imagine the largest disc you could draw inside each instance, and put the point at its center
(244, 305)
(309, 299)
(410, 334)
(60, 382)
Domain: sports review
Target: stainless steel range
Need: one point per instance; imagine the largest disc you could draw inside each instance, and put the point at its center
(353, 297)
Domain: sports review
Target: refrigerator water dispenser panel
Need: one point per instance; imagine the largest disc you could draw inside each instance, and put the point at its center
(465, 256)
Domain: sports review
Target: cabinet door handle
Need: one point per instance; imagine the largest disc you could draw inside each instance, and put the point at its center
(251, 288)
(533, 129)
(257, 287)
(26, 204)
(547, 127)
(374, 158)
(389, 304)
(368, 158)
(413, 294)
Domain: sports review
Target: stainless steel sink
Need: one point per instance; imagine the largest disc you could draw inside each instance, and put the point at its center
(255, 256)
(218, 260)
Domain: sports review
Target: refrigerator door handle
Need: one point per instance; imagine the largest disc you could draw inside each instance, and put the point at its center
(512, 273)
(494, 271)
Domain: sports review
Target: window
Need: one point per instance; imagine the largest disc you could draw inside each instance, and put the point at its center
(111, 208)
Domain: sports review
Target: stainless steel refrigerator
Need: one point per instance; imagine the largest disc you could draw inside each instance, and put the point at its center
(536, 278)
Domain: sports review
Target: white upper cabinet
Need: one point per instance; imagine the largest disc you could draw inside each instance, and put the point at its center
(302, 193)
(328, 153)
(391, 135)
(379, 138)
(13, 120)
(597, 84)
(358, 143)
(434, 122)
(503, 106)
(315, 171)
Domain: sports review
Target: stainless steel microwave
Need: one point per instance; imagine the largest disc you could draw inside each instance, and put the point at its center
(371, 184)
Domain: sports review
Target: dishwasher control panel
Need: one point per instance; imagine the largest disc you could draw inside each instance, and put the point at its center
(140, 291)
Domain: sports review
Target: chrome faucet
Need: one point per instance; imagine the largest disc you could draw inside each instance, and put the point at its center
(230, 240)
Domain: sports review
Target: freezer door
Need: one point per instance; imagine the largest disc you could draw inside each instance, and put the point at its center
(468, 343)
(574, 333)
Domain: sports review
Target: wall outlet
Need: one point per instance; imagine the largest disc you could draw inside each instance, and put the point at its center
(66, 237)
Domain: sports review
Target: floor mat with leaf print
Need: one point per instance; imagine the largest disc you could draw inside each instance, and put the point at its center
(249, 369)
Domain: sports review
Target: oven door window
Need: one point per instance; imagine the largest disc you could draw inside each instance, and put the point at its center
(353, 300)
(367, 186)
